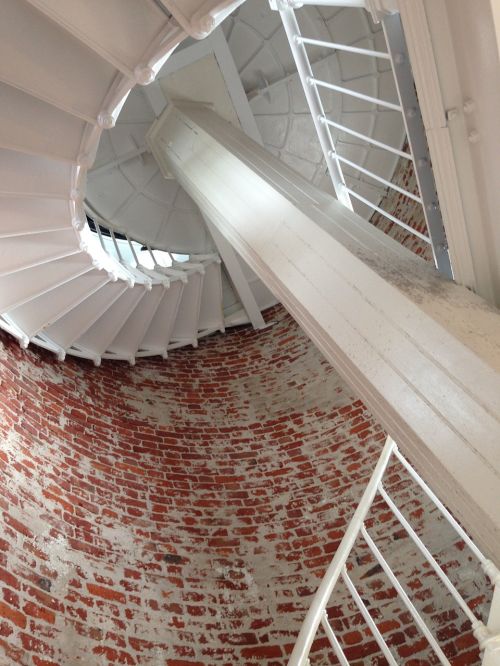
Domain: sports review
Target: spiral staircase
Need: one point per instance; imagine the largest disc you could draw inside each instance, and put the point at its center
(64, 77)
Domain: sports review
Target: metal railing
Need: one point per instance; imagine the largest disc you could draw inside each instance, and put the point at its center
(487, 636)
(407, 106)
(143, 262)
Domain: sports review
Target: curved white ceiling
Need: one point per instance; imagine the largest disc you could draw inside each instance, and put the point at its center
(133, 196)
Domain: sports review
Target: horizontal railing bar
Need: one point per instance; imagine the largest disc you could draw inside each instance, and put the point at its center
(384, 181)
(354, 93)
(405, 598)
(430, 558)
(368, 139)
(458, 528)
(401, 224)
(344, 47)
(368, 618)
(324, 591)
(333, 640)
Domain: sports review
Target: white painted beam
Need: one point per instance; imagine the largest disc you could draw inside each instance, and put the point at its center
(235, 271)
(234, 85)
(156, 98)
(422, 352)
(121, 159)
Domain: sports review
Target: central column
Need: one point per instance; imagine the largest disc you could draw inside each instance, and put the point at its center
(421, 351)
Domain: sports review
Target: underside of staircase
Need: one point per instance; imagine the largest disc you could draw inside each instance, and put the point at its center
(64, 77)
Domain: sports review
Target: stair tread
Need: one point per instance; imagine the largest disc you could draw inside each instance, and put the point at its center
(186, 322)
(160, 329)
(25, 215)
(128, 340)
(47, 308)
(70, 327)
(21, 287)
(29, 125)
(135, 25)
(40, 58)
(18, 253)
(97, 338)
(33, 175)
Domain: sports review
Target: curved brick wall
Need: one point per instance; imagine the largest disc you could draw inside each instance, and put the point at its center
(181, 513)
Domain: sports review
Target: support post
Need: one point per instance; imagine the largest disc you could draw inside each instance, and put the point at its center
(422, 352)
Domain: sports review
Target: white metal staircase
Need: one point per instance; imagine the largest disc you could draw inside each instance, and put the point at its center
(66, 68)
(488, 635)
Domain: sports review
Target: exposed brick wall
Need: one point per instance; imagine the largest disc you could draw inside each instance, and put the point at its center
(181, 513)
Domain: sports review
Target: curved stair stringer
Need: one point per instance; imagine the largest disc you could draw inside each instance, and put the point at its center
(58, 288)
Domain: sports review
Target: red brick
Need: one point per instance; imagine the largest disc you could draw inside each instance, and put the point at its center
(106, 593)
(13, 615)
(251, 485)
(40, 612)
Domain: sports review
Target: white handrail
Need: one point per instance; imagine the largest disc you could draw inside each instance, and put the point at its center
(406, 105)
(314, 102)
(317, 612)
(322, 596)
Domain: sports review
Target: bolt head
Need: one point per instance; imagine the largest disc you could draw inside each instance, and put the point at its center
(144, 75)
(474, 136)
(105, 120)
(469, 105)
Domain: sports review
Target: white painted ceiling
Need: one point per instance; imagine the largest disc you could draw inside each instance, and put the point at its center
(134, 197)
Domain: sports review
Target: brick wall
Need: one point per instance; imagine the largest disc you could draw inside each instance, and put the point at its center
(181, 513)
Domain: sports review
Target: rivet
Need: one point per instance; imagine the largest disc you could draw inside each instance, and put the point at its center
(144, 75)
(105, 120)
(78, 224)
(469, 105)
(452, 113)
(474, 136)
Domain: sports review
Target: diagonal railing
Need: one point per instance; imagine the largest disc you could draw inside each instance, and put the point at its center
(487, 636)
(407, 106)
